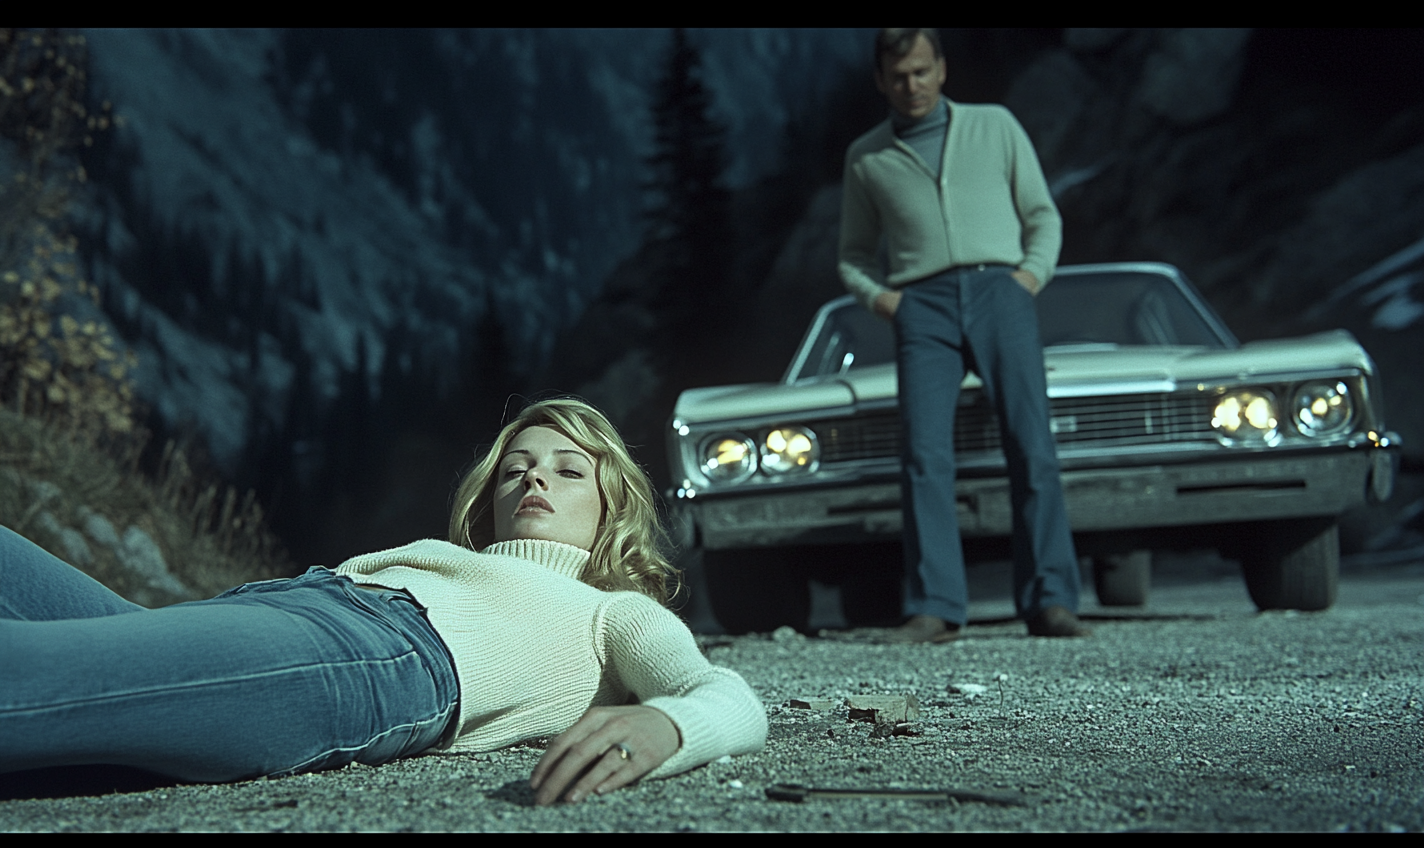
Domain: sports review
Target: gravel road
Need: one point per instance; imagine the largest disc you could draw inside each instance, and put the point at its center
(1194, 713)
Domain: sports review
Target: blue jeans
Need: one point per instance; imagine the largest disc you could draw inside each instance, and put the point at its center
(980, 319)
(271, 678)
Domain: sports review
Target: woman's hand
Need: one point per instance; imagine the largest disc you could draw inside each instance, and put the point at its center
(608, 748)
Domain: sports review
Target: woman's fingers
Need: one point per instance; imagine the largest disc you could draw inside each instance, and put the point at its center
(609, 771)
(608, 748)
(584, 768)
(577, 736)
(578, 759)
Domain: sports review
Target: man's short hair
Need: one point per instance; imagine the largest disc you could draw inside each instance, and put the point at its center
(897, 43)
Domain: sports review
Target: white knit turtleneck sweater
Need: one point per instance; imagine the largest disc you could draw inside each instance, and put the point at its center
(534, 648)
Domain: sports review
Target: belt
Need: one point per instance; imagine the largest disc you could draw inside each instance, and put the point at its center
(954, 269)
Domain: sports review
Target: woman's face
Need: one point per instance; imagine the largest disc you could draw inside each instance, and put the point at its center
(547, 488)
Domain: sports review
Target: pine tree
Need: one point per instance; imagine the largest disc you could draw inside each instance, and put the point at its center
(688, 219)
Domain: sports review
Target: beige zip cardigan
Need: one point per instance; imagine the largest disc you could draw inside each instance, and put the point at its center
(991, 204)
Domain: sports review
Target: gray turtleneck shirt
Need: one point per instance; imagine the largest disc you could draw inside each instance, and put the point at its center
(925, 135)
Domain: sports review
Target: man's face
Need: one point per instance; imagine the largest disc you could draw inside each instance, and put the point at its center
(912, 82)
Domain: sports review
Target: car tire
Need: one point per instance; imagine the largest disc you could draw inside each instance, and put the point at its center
(754, 590)
(1123, 580)
(1293, 564)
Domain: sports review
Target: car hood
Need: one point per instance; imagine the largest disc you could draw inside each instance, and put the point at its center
(719, 403)
(1085, 371)
(1071, 372)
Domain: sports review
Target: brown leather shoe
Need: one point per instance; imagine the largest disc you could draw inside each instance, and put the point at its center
(923, 628)
(1057, 621)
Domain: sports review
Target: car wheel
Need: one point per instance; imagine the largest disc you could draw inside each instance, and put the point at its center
(1123, 580)
(756, 590)
(1292, 564)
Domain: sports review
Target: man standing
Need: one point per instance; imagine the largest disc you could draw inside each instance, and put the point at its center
(971, 234)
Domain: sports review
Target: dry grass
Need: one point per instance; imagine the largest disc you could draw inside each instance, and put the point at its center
(54, 478)
(69, 441)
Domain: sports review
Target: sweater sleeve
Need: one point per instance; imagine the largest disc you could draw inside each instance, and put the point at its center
(860, 238)
(654, 654)
(1042, 225)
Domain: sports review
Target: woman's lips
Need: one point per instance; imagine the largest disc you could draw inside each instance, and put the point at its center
(533, 503)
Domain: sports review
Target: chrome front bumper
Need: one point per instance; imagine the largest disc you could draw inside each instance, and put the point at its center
(1120, 498)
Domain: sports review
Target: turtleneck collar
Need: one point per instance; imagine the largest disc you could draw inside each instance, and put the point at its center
(558, 557)
(937, 117)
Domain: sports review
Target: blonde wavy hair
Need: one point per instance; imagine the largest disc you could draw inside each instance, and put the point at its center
(628, 550)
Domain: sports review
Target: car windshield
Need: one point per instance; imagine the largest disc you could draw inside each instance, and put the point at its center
(1089, 309)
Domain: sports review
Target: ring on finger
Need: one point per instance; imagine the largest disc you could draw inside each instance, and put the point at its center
(624, 752)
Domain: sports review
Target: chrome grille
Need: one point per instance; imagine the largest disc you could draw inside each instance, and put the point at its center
(1108, 421)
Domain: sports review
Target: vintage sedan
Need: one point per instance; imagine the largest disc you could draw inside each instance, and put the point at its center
(1170, 434)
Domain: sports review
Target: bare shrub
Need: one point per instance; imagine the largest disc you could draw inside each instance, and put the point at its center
(70, 440)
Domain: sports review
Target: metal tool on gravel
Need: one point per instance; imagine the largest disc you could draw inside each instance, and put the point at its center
(797, 793)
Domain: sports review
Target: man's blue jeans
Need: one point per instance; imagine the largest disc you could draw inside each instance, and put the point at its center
(272, 678)
(979, 319)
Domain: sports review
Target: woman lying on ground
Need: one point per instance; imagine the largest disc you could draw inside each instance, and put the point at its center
(543, 615)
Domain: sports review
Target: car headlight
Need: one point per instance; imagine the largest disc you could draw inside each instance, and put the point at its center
(1247, 415)
(789, 449)
(728, 458)
(1323, 409)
